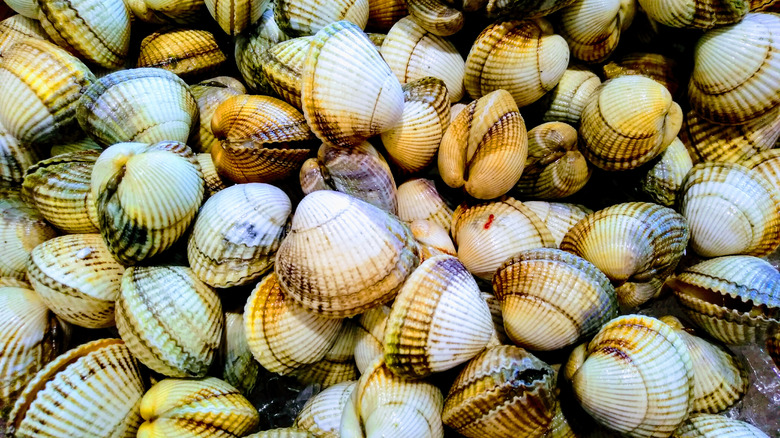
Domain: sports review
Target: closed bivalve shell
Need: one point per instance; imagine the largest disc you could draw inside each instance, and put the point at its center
(321, 415)
(187, 52)
(307, 17)
(418, 199)
(234, 16)
(714, 426)
(559, 217)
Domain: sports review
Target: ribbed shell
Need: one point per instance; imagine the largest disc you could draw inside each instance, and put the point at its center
(627, 122)
(551, 299)
(653, 65)
(22, 228)
(330, 87)
(19, 27)
(370, 336)
(636, 244)
(59, 187)
(566, 101)
(77, 278)
(15, 158)
(237, 233)
(233, 16)
(250, 47)
(487, 234)
(82, 144)
(28, 8)
(344, 256)
(307, 17)
(413, 143)
(524, 8)
(636, 378)
(189, 12)
(697, 14)
(714, 426)
(209, 94)
(760, 6)
(412, 52)
(592, 28)
(186, 52)
(734, 74)
(730, 210)
(282, 65)
(505, 392)
(141, 104)
(241, 370)
(282, 335)
(321, 415)
(96, 30)
(207, 408)
(523, 57)
(92, 390)
(40, 104)
(485, 147)
(438, 320)
(418, 199)
(433, 239)
(767, 164)
(169, 319)
(664, 180)
(282, 432)
(708, 141)
(211, 178)
(338, 364)
(436, 16)
(559, 217)
(383, 14)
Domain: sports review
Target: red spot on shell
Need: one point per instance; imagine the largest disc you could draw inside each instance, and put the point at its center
(489, 221)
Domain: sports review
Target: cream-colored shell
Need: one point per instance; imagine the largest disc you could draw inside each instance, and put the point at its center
(419, 199)
(19, 27)
(240, 367)
(234, 16)
(592, 28)
(565, 102)
(338, 364)
(15, 158)
(664, 180)
(22, 228)
(559, 217)
(713, 426)
(321, 415)
(307, 17)
(370, 335)
(698, 14)
(209, 94)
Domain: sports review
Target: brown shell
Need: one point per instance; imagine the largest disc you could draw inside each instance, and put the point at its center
(186, 52)
(436, 16)
(592, 28)
(209, 94)
(15, 158)
(658, 67)
(282, 65)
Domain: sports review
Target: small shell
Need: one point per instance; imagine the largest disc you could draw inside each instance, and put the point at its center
(383, 14)
(498, 320)
(338, 364)
(307, 17)
(436, 16)
(282, 65)
(485, 147)
(767, 164)
(19, 27)
(236, 15)
(241, 369)
(196, 408)
(186, 52)
(558, 217)
(566, 101)
(283, 432)
(370, 336)
(433, 239)
(653, 65)
(713, 426)
(696, 14)
(418, 199)
(321, 415)
(664, 180)
(209, 94)
(250, 47)
(15, 158)
(592, 28)
(22, 228)
(169, 319)
(708, 141)
(760, 6)
(82, 144)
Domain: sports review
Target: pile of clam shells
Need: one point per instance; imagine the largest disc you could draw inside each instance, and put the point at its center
(440, 217)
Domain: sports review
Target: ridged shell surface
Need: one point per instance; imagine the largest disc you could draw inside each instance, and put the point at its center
(592, 28)
(28, 8)
(15, 158)
(565, 102)
(19, 27)
(524, 8)
(559, 217)
(22, 228)
(186, 52)
(713, 426)
(658, 67)
(664, 180)
(241, 370)
(433, 239)
(321, 415)
(187, 12)
(419, 199)
(282, 65)
(209, 94)
(307, 17)
(383, 14)
(436, 16)
(338, 364)
(698, 14)
(233, 16)
(282, 432)
(370, 335)
(250, 47)
(708, 141)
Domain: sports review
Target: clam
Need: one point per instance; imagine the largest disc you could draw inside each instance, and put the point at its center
(712, 426)
(735, 299)
(27, 8)
(504, 392)
(94, 389)
(338, 364)
(186, 52)
(419, 200)
(767, 164)
(14, 282)
(15, 158)
(196, 408)
(170, 320)
(330, 87)
(664, 180)
(730, 210)
(566, 101)
(82, 144)
(234, 16)
(370, 335)
(19, 27)
(636, 257)
(764, 6)
(634, 377)
(559, 217)
(141, 104)
(698, 14)
(383, 14)
(22, 228)
(209, 94)
(250, 47)
(321, 415)
(236, 234)
(494, 305)
(241, 370)
(486, 234)
(485, 147)
(551, 299)
(436, 16)
(627, 122)
(343, 256)
(592, 28)
(211, 178)
(554, 167)
(307, 17)
(359, 171)
(167, 11)
(741, 86)
(282, 64)
(524, 8)
(524, 58)
(658, 67)
(433, 239)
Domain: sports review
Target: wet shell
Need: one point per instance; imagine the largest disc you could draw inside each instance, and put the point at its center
(344, 256)
(186, 52)
(15, 158)
(22, 228)
(634, 377)
(485, 147)
(664, 180)
(551, 299)
(211, 178)
(370, 336)
(731, 210)
(59, 188)
(209, 94)
(383, 14)
(234, 16)
(96, 30)
(592, 28)
(697, 14)
(196, 408)
(558, 217)
(523, 57)
(250, 47)
(39, 105)
(767, 164)
(433, 239)
(494, 305)
(307, 17)
(741, 86)
(92, 390)
(169, 319)
(338, 364)
(241, 370)
(505, 392)
(330, 87)
(707, 141)
(566, 101)
(436, 16)
(412, 144)
(636, 244)
(734, 298)
(77, 278)
(237, 233)
(19, 27)
(321, 415)
(653, 65)
(713, 426)
(282, 335)
(418, 199)
(282, 65)
(555, 168)
(142, 104)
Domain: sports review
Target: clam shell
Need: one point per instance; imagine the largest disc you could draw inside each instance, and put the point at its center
(281, 334)
(186, 52)
(27, 8)
(83, 144)
(433, 239)
(15, 158)
(767, 164)
(236, 234)
(566, 101)
(697, 14)
(211, 179)
(664, 180)
(523, 57)
(22, 228)
(344, 256)
(383, 14)
(241, 370)
(436, 16)
(485, 147)
(209, 94)
(592, 28)
(370, 336)
(196, 408)
(418, 199)
(307, 17)
(169, 319)
(712, 426)
(764, 6)
(250, 47)
(653, 65)
(504, 392)
(338, 364)
(236, 15)
(730, 210)
(188, 12)
(494, 305)
(559, 217)
(524, 8)
(321, 415)
(19, 27)
(282, 65)
(739, 87)
(331, 110)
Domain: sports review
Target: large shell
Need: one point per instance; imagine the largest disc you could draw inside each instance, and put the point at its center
(209, 94)
(698, 14)
(592, 28)
(330, 87)
(664, 180)
(241, 369)
(505, 392)
(734, 298)
(627, 122)
(196, 409)
(559, 217)
(635, 256)
(19, 27)
(15, 158)
(485, 147)
(418, 199)
(523, 57)
(653, 65)
(307, 17)
(343, 256)
(713, 426)
(22, 228)
(282, 65)
(635, 377)
(169, 319)
(551, 299)
(708, 141)
(234, 16)
(250, 47)
(321, 415)
(97, 30)
(186, 52)
(92, 390)
(730, 210)
(741, 86)
(566, 101)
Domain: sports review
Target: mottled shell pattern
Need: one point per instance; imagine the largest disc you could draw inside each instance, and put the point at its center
(15, 158)
(282, 65)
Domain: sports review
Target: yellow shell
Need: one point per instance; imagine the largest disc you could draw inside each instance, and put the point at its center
(592, 28)
(419, 199)
(234, 16)
(321, 415)
(187, 12)
(433, 239)
(566, 101)
(559, 217)
(22, 228)
(383, 14)
(698, 14)
(282, 65)
(186, 52)
(436, 16)
(19, 27)
(209, 94)
(211, 178)
(653, 65)
(664, 180)
(82, 144)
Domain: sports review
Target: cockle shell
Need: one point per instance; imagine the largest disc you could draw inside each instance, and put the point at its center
(187, 12)
(664, 180)
(419, 199)
(524, 8)
(767, 164)
(559, 217)
(28, 8)
(15, 158)
(653, 65)
(566, 101)
(19, 27)
(708, 141)
(209, 94)
(282, 65)
(338, 364)
(713, 426)
(250, 47)
(383, 14)
(433, 239)
(234, 16)
(241, 370)
(186, 52)
(436, 16)
(592, 28)
(764, 6)
(304, 17)
(698, 14)
(82, 144)
(370, 327)
(343, 256)
(212, 180)
(321, 415)
(22, 228)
